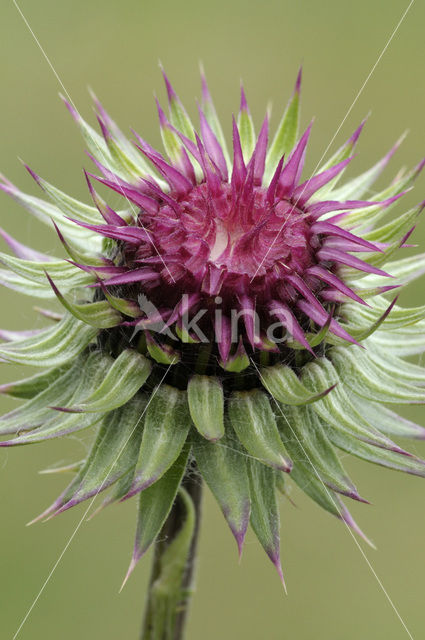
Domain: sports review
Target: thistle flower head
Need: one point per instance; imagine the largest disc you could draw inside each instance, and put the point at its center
(233, 315)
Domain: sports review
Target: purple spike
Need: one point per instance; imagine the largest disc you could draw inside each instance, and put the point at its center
(108, 269)
(206, 96)
(223, 336)
(333, 242)
(282, 311)
(298, 81)
(171, 94)
(213, 279)
(334, 255)
(320, 317)
(348, 519)
(209, 168)
(133, 235)
(163, 120)
(212, 145)
(332, 230)
(260, 151)
(292, 171)
(129, 277)
(318, 209)
(146, 146)
(239, 168)
(243, 103)
(184, 164)
(175, 178)
(22, 251)
(129, 193)
(71, 108)
(249, 315)
(305, 191)
(108, 214)
(312, 307)
(165, 197)
(271, 191)
(331, 279)
(104, 129)
(352, 141)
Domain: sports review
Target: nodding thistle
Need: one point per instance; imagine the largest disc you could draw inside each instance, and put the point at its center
(232, 322)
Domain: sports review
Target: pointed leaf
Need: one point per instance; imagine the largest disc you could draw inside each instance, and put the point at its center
(306, 442)
(368, 379)
(53, 347)
(206, 405)
(125, 377)
(155, 504)
(284, 385)
(223, 466)
(167, 424)
(286, 134)
(253, 420)
(112, 455)
(30, 387)
(264, 511)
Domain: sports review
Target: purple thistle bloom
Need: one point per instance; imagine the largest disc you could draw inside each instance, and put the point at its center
(232, 315)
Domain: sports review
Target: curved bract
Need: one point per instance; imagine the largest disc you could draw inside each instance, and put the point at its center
(231, 313)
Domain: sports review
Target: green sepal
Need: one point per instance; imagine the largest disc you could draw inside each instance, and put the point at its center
(386, 420)
(167, 423)
(180, 119)
(264, 512)
(70, 206)
(97, 314)
(370, 380)
(246, 133)
(238, 361)
(54, 424)
(223, 467)
(285, 137)
(406, 342)
(393, 230)
(37, 409)
(30, 387)
(397, 319)
(68, 274)
(214, 122)
(26, 287)
(155, 504)
(112, 455)
(206, 404)
(336, 409)
(340, 155)
(326, 499)
(359, 185)
(254, 423)
(45, 212)
(126, 307)
(161, 352)
(127, 374)
(307, 443)
(53, 347)
(384, 457)
(283, 384)
(184, 336)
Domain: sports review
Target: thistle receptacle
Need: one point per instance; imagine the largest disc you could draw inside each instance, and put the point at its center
(231, 317)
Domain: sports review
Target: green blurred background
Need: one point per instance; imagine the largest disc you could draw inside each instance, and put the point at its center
(115, 47)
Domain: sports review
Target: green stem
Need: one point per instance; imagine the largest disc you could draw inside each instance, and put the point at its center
(171, 582)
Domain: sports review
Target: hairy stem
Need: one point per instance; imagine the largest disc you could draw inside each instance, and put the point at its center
(172, 577)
